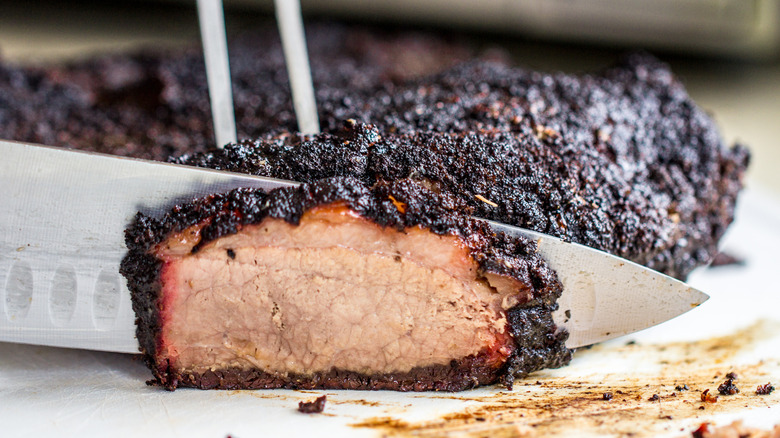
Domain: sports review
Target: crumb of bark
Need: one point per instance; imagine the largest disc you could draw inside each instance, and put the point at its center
(708, 398)
(683, 387)
(703, 428)
(765, 389)
(728, 387)
(732, 375)
(312, 407)
(607, 396)
(655, 397)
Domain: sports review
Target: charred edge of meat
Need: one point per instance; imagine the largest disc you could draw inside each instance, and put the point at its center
(399, 205)
(459, 375)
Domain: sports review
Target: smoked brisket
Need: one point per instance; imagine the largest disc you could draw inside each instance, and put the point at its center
(513, 320)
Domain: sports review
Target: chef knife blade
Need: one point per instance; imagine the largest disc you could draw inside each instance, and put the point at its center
(61, 239)
(62, 227)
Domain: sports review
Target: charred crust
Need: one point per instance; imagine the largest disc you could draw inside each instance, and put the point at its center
(623, 161)
(539, 345)
(459, 375)
(154, 103)
(142, 272)
(530, 322)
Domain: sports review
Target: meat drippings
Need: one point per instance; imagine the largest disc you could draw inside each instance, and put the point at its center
(334, 292)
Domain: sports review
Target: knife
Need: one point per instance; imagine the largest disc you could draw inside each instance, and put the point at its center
(62, 225)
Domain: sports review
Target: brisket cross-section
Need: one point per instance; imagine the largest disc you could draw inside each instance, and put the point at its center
(334, 285)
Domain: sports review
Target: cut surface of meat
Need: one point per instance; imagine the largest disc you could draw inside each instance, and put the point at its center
(328, 293)
(388, 286)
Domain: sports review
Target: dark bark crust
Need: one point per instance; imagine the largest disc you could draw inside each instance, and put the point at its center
(155, 103)
(459, 375)
(400, 205)
(662, 199)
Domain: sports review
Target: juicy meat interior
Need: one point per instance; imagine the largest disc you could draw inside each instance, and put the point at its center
(338, 285)
(335, 291)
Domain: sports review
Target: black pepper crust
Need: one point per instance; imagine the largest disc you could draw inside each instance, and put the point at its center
(623, 162)
(154, 103)
(460, 375)
(399, 205)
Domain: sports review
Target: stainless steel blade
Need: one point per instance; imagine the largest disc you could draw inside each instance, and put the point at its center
(62, 220)
(605, 296)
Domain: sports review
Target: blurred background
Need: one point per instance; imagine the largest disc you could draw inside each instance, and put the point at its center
(727, 52)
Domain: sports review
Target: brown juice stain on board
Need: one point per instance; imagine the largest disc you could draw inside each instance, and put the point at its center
(359, 402)
(550, 405)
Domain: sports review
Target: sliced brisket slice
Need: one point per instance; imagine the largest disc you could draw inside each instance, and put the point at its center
(334, 285)
(623, 160)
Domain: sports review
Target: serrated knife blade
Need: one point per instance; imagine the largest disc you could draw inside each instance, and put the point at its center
(62, 225)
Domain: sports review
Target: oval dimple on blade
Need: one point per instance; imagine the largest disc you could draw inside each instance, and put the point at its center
(19, 291)
(62, 298)
(105, 304)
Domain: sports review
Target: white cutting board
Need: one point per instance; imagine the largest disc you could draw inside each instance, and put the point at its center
(72, 393)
